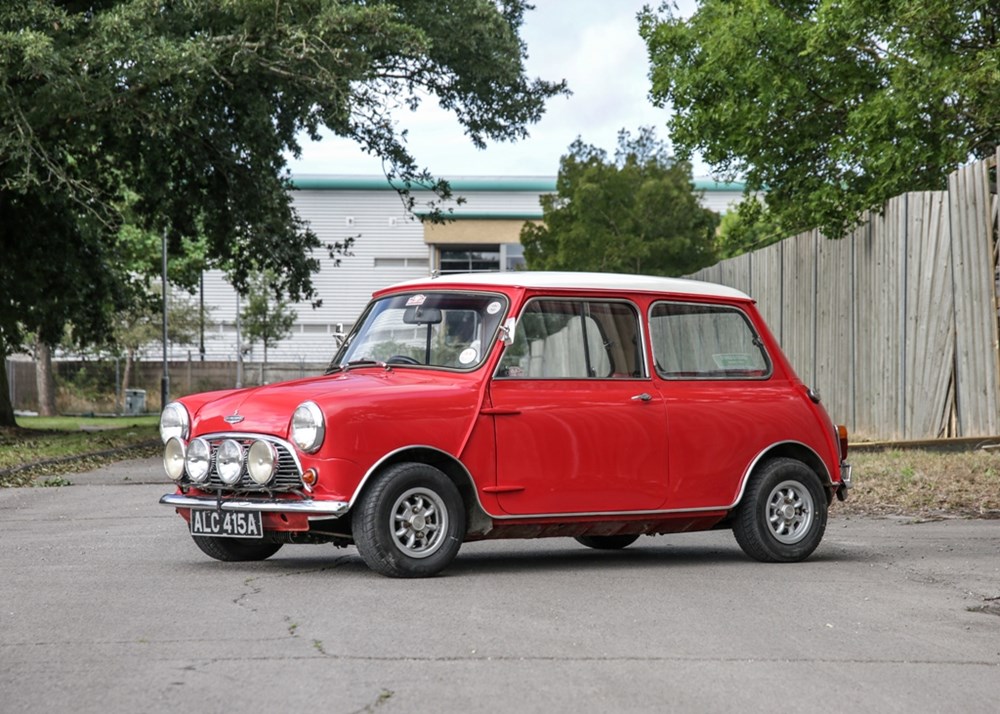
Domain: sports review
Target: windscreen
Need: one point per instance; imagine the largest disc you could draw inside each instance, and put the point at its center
(453, 330)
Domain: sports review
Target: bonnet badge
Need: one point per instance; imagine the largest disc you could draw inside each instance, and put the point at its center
(234, 418)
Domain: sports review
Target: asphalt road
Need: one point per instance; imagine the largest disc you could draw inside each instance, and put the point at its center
(107, 606)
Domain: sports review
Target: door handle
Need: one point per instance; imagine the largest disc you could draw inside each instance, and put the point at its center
(644, 397)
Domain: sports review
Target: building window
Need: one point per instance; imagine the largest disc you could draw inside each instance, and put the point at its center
(512, 256)
(480, 258)
(470, 260)
(401, 263)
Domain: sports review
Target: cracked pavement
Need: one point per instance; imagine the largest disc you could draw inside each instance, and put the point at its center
(107, 606)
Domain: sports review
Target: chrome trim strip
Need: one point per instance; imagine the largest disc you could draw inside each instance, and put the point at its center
(271, 505)
(576, 514)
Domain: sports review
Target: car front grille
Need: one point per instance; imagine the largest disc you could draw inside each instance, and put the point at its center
(287, 477)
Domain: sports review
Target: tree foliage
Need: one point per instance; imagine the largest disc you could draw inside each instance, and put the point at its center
(831, 106)
(749, 227)
(177, 116)
(635, 213)
(141, 325)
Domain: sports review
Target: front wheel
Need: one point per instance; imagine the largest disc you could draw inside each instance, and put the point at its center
(233, 550)
(410, 522)
(782, 516)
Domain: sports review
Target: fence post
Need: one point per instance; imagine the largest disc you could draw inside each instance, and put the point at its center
(11, 384)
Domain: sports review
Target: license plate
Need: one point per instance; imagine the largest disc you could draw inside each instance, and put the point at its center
(226, 524)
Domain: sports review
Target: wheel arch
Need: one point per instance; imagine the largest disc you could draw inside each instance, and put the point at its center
(790, 450)
(476, 519)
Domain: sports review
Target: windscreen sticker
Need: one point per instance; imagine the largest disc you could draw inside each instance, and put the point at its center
(468, 356)
(416, 300)
(493, 308)
(734, 361)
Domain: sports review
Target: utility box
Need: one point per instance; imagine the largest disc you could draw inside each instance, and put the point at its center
(135, 401)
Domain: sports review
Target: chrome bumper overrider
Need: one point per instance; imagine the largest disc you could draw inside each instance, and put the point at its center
(310, 508)
(846, 475)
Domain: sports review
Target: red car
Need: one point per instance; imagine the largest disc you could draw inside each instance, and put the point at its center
(517, 405)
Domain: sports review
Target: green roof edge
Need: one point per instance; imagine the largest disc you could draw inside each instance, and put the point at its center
(538, 184)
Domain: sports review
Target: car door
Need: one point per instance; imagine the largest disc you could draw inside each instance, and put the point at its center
(723, 400)
(579, 427)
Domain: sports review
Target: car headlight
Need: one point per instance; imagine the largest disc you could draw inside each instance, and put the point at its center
(174, 422)
(262, 462)
(173, 458)
(197, 460)
(229, 461)
(308, 427)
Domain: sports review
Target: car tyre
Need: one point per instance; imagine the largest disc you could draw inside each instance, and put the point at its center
(410, 522)
(233, 550)
(607, 542)
(782, 516)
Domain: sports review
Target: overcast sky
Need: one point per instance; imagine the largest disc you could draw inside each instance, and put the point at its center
(593, 44)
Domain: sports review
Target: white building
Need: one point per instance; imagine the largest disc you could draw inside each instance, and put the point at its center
(392, 245)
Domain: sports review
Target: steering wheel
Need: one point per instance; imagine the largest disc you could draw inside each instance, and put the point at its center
(401, 359)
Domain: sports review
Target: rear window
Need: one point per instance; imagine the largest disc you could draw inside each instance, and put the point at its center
(694, 341)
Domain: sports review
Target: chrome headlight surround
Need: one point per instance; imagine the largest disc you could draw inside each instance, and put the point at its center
(262, 462)
(308, 427)
(198, 460)
(229, 461)
(173, 458)
(174, 422)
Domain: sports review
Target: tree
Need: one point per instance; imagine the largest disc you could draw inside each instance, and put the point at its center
(190, 107)
(750, 227)
(832, 107)
(45, 379)
(638, 213)
(141, 324)
(267, 317)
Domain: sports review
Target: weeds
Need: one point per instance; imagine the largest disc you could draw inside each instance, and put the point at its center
(925, 483)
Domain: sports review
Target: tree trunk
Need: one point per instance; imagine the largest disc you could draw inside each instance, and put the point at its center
(127, 372)
(45, 380)
(6, 408)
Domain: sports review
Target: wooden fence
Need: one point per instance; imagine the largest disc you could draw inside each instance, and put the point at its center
(895, 324)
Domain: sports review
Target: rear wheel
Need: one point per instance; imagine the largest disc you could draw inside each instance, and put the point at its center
(609, 542)
(234, 550)
(782, 517)
(410, 522)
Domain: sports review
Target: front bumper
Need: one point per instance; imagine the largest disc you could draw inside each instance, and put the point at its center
(324, 509)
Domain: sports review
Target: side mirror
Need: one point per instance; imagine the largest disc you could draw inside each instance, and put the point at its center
(507, 331)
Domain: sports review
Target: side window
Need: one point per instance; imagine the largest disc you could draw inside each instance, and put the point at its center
(574, 339)
(692, 341)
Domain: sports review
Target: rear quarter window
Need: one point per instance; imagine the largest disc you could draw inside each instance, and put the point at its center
(696, 341)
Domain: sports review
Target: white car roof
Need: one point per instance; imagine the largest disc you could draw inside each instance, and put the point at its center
(582, 281)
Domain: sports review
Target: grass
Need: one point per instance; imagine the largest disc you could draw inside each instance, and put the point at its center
(925, 483)
(41, 449)
(921, 483)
